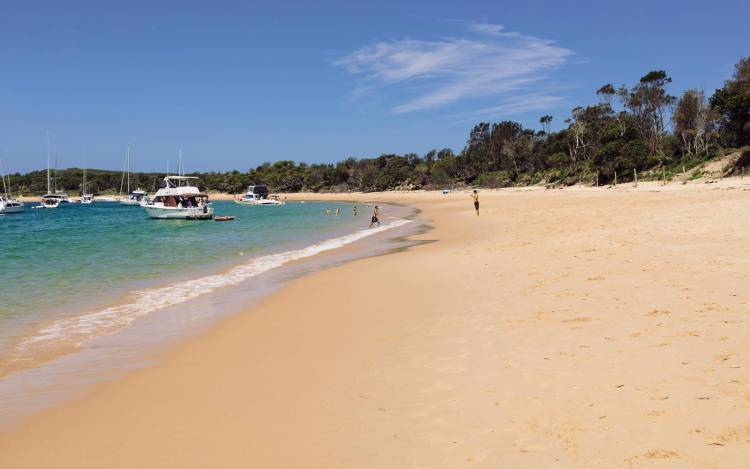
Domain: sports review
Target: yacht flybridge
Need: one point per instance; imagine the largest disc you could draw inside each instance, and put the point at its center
(178, 200)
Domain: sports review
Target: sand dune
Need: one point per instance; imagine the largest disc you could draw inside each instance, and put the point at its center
(572, 328)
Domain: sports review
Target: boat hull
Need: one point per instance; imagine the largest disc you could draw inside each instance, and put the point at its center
(179, 213)
(11, 208)
(130, 203)
(258, 202)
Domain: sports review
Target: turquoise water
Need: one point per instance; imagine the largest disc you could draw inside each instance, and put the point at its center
(54, 263)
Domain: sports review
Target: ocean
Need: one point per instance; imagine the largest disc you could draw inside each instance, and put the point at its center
(79, 272)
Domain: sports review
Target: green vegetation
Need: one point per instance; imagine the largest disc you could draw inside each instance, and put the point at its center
(640, 128)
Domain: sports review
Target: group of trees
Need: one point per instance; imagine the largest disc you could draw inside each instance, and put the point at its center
(640, 128)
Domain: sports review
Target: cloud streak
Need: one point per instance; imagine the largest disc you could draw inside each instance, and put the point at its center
(490, 62)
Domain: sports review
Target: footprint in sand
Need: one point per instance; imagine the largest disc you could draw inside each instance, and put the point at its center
(724, 357)
(658, 312)
(739, 435)
(577, 319)
(653, 455)
(661, 454)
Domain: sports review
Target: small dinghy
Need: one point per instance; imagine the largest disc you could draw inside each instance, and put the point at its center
(224, 218)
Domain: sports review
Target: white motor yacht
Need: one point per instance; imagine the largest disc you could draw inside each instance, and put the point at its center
(53, 200)
(258, 195)
(10, 205)
(178, 200)
(135, 198)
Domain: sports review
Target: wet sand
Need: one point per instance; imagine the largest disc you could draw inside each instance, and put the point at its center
(561, 328)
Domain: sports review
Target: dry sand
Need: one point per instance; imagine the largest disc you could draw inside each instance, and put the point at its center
(561, 328)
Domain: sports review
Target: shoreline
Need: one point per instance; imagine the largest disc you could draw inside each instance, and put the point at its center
(21, 367)
(561, 327)
(17, 358)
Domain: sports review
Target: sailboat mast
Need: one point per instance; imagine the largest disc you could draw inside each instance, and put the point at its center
(2, 175)
(128, 168)
(83, 188)
(48, 156)
(55, 184)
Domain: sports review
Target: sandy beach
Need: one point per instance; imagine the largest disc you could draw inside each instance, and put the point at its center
(561, 328)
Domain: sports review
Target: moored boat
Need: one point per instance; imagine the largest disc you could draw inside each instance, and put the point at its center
(137, 197)
(10, 205)
(7, 203)
(258, 195)
(53, 198)
(86, 198)
(176, 201)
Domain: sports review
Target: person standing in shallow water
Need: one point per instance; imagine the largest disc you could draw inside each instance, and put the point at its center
(375, 217)
(475, 196)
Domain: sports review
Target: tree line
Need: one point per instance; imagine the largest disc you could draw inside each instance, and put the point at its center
(638, 128)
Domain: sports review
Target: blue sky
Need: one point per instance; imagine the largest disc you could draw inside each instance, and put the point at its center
(237, 83)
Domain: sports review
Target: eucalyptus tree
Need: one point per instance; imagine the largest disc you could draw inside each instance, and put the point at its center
(607, 94)
(545, 120)
(693, 123)
(649, 102)
(732, 103)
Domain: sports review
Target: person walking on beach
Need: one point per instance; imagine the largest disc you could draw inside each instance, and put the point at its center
(475, 196)
(375, 215)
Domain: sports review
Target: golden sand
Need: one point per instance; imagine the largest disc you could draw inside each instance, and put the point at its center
(562, 328)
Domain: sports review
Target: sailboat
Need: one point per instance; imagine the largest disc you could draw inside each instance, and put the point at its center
(85, 197)
(52, 199)
(135, 197)
(7, 203)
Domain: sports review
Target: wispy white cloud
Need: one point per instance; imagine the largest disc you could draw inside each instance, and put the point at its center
(490, 62)
(492, 30)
